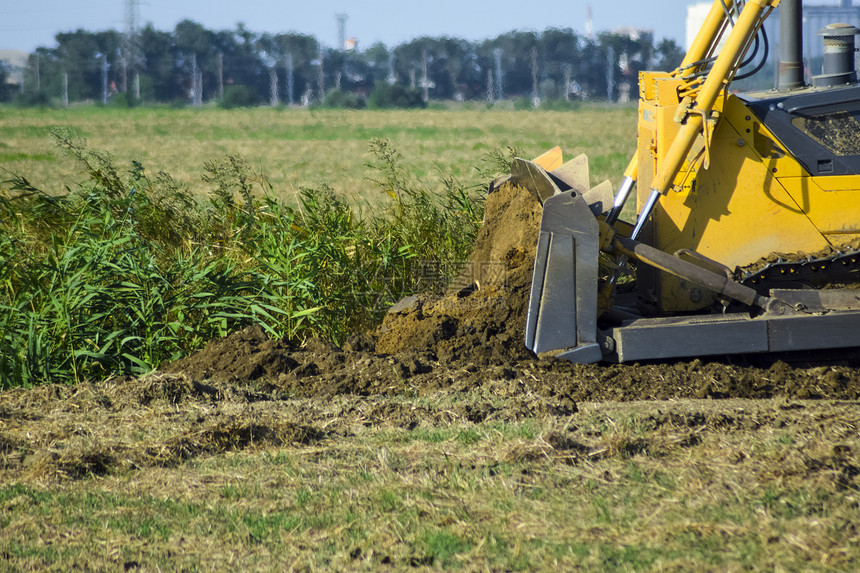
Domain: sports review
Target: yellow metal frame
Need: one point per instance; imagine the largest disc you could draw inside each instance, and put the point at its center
(755, 199)
(717, 180)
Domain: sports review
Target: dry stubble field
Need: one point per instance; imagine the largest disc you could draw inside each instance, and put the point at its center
(435, 441)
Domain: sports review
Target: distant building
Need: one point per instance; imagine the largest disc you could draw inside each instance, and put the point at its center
(815, 17)
(696, 14)
(16, 61)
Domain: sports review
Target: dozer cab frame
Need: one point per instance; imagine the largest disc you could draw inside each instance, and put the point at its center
(723, 183)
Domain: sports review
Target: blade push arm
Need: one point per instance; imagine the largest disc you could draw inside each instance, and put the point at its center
(700, 102)
(695, 60)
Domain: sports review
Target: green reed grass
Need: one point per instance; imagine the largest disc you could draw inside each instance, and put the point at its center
(129, 270)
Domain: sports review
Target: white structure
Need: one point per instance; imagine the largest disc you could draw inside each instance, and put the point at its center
(815, 17)
(17, 61)
(696, 14)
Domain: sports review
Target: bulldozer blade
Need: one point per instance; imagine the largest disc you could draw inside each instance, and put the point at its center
(533, 177)
(573, 174)
(550, 160)
(522, 171)
(562, 312)
(600, 198)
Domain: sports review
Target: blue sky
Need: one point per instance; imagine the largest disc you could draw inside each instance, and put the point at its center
(26, 25)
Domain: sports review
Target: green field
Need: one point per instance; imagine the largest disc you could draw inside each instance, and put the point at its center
(299, 147)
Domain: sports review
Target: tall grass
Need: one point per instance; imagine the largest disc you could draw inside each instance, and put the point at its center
(129, 270)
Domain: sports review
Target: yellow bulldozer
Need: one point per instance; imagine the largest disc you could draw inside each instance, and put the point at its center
(746, 237)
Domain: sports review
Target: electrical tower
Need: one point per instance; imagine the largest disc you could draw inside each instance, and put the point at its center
(341, 30)
(132, 15)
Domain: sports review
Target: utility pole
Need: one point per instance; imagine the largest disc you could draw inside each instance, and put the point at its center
(273, 85)
(199, 91)
(567, 73)
(589, 23)
(321, 77)
(290, 78)
(535, 94)
(497, 55)
(392, 77)
(219, 63)
(341, 47)
(194, 79)
(104, 79)
(196, 83)
(123, 62)
(610, 73)
(38, 76)
(66, 89)
(425, 81)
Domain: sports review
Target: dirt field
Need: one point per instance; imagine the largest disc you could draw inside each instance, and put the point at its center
(436, 441)
(321, 459)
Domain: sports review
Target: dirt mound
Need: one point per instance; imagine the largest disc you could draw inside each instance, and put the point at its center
(321, 370)
(472, 338)
(481, 319)
(246, 355)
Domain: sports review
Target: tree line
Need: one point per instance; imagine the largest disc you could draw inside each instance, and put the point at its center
(192, 65)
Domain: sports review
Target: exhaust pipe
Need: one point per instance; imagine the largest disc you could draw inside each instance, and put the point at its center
(838, 56)
(790, 45)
